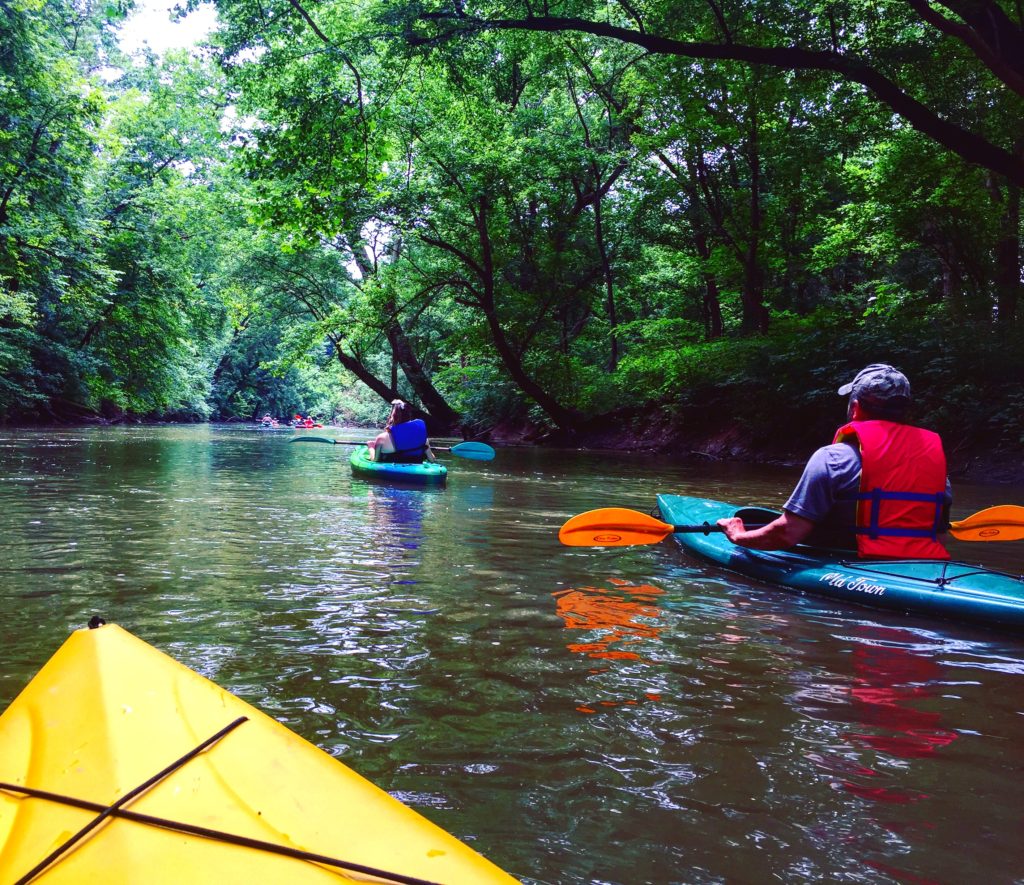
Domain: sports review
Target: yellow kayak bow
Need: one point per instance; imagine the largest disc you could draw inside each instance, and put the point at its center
(118, 764)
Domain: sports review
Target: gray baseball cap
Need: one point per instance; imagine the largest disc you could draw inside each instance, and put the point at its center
(879, 383)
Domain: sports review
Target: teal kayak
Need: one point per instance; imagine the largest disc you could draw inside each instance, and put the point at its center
(957, 591)
(427, 473)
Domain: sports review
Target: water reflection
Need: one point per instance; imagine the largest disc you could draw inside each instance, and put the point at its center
(614, 616)
(892, 680)
(615, 620)
(394, 514)
(656, 720)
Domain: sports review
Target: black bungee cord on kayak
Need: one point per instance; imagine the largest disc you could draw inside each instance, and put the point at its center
(109, 810)
(942, 581)
(118, 810)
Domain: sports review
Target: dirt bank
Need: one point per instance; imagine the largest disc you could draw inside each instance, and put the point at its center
(978, 463)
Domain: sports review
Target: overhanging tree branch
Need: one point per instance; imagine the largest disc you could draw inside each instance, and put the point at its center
(351, 65)
(987, 30)
(970, 147)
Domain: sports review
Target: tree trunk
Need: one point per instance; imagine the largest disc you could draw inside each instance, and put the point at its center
(609, 285)
(443, 416)
(357, 368)
(565, 419)
(755, 314)
(440, 417)
(711, 308)
(1007, 254)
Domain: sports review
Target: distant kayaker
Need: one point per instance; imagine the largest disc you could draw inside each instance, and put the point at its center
(404, 440)
(880, 487)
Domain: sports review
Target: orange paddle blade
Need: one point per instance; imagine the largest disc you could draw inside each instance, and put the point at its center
(612, 527)
(1004, 522)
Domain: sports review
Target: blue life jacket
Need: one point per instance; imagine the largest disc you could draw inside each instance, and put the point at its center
(410, 442)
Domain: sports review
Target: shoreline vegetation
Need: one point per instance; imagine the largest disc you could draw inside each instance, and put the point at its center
(727, 444)
(677, 229)
(983, 465)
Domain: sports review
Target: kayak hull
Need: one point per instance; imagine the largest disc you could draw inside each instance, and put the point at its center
(956, 591)
(429, 473)
(108, 712)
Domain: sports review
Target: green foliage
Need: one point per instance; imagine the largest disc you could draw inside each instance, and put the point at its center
(502, 226)
(109, 222)
(483, 393)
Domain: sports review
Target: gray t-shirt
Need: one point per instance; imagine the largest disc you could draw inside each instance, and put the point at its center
(832, 471)
(831, 475)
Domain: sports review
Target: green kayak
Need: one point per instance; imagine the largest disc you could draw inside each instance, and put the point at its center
(428, 473)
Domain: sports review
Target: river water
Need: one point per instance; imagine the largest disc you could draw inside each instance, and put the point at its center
(578, 715)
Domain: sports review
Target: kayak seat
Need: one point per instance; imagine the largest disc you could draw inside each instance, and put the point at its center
(757, 515)
(822, 540)
(399, 458)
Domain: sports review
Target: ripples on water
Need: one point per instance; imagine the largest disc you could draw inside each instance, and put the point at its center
(577, 715)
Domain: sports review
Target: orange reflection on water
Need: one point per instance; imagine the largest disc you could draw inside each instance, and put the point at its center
(620, 616)
(615, 615)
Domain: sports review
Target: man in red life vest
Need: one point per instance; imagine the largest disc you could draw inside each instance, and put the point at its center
(880, 486)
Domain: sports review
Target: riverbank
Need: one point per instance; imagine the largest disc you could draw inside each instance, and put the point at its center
(974, 462)
(724, 443)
